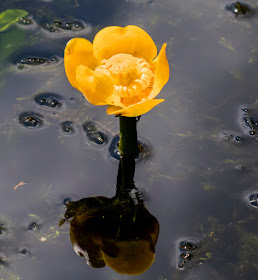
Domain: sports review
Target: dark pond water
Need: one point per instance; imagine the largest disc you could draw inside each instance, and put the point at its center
(199, 179)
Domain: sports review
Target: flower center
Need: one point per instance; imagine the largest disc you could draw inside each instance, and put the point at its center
(131, 75)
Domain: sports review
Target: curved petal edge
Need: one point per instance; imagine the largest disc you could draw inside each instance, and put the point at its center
(134, 110)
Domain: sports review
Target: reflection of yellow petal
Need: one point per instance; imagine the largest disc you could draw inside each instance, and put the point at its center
(134, 110)
(130, 40)
(133, 256)
(161, 72)
(96, 87)
(78, 51)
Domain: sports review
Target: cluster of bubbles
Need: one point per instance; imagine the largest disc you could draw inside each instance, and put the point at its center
(60, 26)
(94, 134)
(186, 249)
(26, 20)
(56, 27)
(248, 122)
(33, 62)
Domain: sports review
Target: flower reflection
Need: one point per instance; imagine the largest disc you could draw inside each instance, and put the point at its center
(119, 231)
(120, 69)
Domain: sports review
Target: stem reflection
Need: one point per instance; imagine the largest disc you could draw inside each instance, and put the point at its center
(119, 232)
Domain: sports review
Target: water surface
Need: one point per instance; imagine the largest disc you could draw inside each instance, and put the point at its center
(203, 161)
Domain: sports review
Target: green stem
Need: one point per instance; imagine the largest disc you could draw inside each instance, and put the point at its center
(128, 144)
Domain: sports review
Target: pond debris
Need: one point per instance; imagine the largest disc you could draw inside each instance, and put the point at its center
(226, 44)
(36, 62)
(239, 9)
(94, 135)
(31, 120)
(20, 184)
(62, 27)
(68, 127)
(54, 234)
(49, 100)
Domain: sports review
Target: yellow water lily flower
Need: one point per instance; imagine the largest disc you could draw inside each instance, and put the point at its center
(120, 69)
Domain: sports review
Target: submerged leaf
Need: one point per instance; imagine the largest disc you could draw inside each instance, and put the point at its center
(9, 17)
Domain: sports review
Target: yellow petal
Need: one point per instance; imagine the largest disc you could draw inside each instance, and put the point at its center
(161, 72)
(78, 51)
(134, 110)
(130, 40)
(96, 87)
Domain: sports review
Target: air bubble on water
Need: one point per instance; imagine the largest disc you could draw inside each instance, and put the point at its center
(33, 226)
(238, 138)
(31, 120)
(186, 256)
(89, 127)
(187, 246)
(144, 148)
(240, 168)
(24, 251)
(66, 200)
(113, 148)
(239, 9)
(253, 200)
(95, 136)
(50, 100)
(68, 127)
